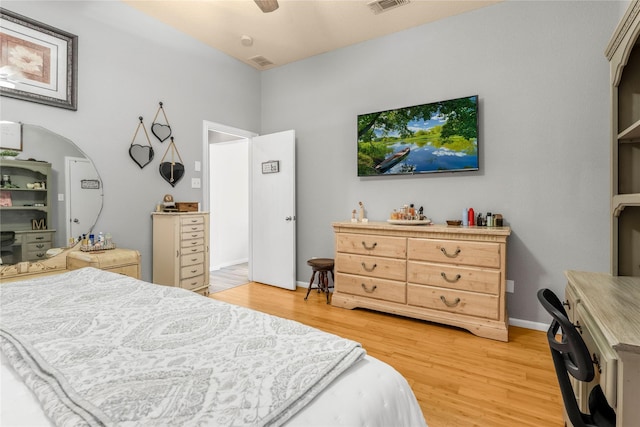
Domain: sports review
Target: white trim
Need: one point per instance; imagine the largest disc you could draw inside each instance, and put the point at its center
(537, 326)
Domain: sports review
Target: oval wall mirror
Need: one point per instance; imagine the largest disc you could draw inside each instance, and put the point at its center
(74, 189)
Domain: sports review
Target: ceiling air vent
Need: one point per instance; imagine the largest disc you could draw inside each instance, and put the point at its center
(261, 60)
(379, 6)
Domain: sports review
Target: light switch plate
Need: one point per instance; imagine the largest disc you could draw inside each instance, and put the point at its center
(197, 166)
(195, 182)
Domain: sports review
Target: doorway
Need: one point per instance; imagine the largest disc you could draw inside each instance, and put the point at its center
(226, 194)
(270, 196)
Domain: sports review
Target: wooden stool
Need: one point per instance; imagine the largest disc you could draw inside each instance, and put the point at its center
(321, 266)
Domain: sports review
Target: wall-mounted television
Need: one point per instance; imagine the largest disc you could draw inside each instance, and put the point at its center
(436, 137)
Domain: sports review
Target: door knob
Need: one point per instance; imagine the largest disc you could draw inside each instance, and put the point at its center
(76, 220)
(288, 218)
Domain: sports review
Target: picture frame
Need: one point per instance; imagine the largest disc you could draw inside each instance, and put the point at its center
(272, 166)
(10, 136)
(38, 60)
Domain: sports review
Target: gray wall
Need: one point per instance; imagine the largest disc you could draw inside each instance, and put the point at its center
(127, 64)
(542, 77)
(538, 68)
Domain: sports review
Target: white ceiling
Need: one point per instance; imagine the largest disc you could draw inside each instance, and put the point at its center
(298, 29)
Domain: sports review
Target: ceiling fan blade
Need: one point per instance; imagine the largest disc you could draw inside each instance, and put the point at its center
(267, 5)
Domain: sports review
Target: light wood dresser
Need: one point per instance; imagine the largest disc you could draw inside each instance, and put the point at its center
(450, 275)
(122, 261)
(181, 250)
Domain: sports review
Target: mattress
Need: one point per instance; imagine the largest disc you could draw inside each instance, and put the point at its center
(369, 392)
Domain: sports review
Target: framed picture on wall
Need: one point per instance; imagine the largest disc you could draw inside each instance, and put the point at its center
(38, 62)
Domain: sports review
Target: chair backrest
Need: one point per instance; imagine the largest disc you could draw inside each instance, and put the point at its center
(570, 354)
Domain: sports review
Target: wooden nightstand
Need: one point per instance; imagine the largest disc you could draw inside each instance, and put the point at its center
(123, 261)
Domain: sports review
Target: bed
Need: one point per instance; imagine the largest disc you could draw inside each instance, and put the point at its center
(89, 347)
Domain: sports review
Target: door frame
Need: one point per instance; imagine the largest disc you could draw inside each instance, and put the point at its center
(207, 127)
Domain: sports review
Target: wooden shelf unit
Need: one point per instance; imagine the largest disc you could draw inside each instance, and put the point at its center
(623, 54)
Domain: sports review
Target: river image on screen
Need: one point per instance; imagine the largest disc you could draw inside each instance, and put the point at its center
(436, 137)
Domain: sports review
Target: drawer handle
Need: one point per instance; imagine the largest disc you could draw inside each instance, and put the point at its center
(369, 248)
(454, 280)
(455, 254)
(194, 249)
(194, 259)
(369, 269)
(367, 290)
(567, 304)
(596, 361)
(578, 326)
(40, 254)
(449, 304)
(40, 246)
(194, 271)
(39, 238)
(194, 235)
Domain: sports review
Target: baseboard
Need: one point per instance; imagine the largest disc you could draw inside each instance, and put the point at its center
(537, 326)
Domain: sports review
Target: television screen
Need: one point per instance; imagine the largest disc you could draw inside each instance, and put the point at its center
(436, 137)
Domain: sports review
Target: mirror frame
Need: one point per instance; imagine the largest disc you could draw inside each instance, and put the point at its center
(58, 262)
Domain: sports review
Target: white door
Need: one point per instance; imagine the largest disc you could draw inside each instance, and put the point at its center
(84, 195)
(272, 203)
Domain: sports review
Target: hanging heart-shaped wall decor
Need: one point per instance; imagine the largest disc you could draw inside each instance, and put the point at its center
(141, 154)
(162, 132)
(172, 172)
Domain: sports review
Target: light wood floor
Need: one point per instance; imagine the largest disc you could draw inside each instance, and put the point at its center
(228, 277)
(458, 378)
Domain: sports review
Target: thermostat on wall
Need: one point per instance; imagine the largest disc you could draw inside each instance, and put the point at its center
(272, 166)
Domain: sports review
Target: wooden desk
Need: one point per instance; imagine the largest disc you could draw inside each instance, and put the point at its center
(607, 308)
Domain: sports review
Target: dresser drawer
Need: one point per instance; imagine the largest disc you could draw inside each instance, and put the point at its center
(190, 243)
(454, 277)
(384, 268)
(191, 271)
(38, 237)
(38, 246)
(370, 287)
(192, 220)
(461, 302)
(37, 255)
(192, 282)
(192, 235)
(383, 246)
(455, 252)
(192, 228)
(192, 258)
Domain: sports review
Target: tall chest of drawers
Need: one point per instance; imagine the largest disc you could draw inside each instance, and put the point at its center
(181, 250)
(450, 275)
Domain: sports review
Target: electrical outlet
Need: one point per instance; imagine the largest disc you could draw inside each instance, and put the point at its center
(510, 285)
(195, 182)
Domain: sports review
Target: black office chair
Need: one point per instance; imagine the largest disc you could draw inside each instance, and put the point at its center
(571, 356)
(7, 239)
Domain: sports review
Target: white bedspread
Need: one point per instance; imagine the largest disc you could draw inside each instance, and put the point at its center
(115, 350)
